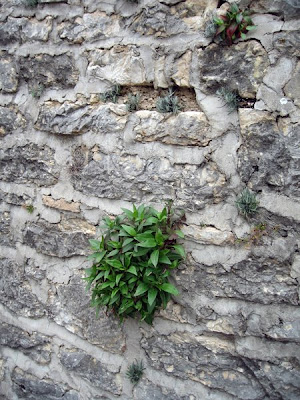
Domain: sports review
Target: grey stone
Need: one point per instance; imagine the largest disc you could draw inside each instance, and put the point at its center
(72, 309)
(287, 43)
(90, 369)
(34, 345)
(57, 240)
(132, 178)
(28, 386)
(21, 30)
(75, 118)
(193, 357)
(6, 235)
(292, 89)
(29, 163)
(11, 120)
(147, 390)
(8, 74)
(58, 71)
(267, 158)
(16, 293)
(13, 198)
(239, 67)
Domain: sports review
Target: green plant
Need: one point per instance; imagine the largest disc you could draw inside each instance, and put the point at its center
(111, 95)
(31, 3)
(229, 97)
(133, 102)
(247, 203)
(168, 103)
(234, 25)
(29, 208)
(133, 260)
(210, 27)
(135, 371)
(257, 232)
(37, 90)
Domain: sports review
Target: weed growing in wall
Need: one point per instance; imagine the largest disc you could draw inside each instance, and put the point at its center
(168, 103)
(37, 90)
(31, 3)
(133, 260)
(135, 372)
(133, 102)
(229, 98)
(111, 95)
(247, 203)
(234, 25)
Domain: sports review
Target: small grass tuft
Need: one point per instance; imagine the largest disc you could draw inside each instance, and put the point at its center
(37, 90)
(247, 203)
(229, 98)
(135, 372)
(111, 95)
(168, 103)
(133, 102)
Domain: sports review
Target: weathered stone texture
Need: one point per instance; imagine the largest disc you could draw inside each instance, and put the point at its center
(185, 129)
(35, 345)
(131, 178)
(267, 158)
(57, 71)
(28, 386)
(77, 118)
(90, 369)
(11, 120)
(61, 204)
(22, 30)
(147, 390)
(240, 67)
(59, 240)
(292, 88)
(6, 237)
(72, 309)
(29, 163)
(8, 74)
(16, 293)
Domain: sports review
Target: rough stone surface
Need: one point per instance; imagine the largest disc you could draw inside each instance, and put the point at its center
(8, 74)
(50, 71)
(61, 204)
(34, 345)
(6, 237)
(59, 240)
(90, 369)
(11, 120)
(28, 386)
(18, 30)
(29, 163)
(77, 118)
(221, 66)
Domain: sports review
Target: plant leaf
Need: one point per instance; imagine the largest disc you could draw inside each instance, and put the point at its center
(95, 244)
(180, 234)
(167, 287)
(251, 27)
(179, 250)
(115, 263)
(129, 229)
(142, 288)
(132, 270)
(154, 257)
(152, 293)
(148, 243)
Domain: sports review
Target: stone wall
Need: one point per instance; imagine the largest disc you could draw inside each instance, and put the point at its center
(68, 159)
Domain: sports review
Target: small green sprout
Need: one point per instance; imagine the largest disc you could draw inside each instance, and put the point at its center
(133, 102)
(111, 95)
(135, 372)
(229, 97)
(168, 104)
(247, 203)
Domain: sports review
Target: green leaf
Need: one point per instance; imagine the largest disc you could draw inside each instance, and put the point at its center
(95, 244)
(141, 252)
(127, 241)
(179, 250)
(154, 257)
(142, 288)
(118, 277)
(243, 36)
(150, 221)
(113, 253)
(234, 8)
(152, 293)
(132, 270)
(167, 287)
(115, 263)
(159, 237)
(251, 27)
(114, 292)
(125, 304)
(239, 18)
(129, 229)
(148, 243)
(164, 259)
(128, 213)
(179, 234)
(104, 285)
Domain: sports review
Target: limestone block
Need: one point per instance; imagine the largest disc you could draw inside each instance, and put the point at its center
(207, 235)
(267, 158)
(59, 240)
(292, 88)
(207, 360)
(57, 71)
(125, 65)
(148, 391)
(8, 74)
(6, 237)
(22, 30)
(89, 369)
(11, 120)
(29, 386)
(29, 163)
(61, 204)
(271, 101)
(240, 67)
(34, 345)
(185, 129)
(278, 75)
(89, 28)
(71, 118)
(287, 43)
(16, 293)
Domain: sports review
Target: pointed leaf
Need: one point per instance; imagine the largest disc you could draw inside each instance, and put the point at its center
(142, 288)
(152, 293)
(148, 243)
(132, 270)
(129, 229)
(167, 287)
(154, 257)
(179, 250)
(180, 234)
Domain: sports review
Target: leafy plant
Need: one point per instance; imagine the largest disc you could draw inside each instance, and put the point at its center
(234, 25)
(257, 232)
(133, 102)
(37, 90)
(29, 208)
(210, 27)
(133, 260)
(111, 95)
(247, 203)
(168, 104)
(135, 371)
(229, 97)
